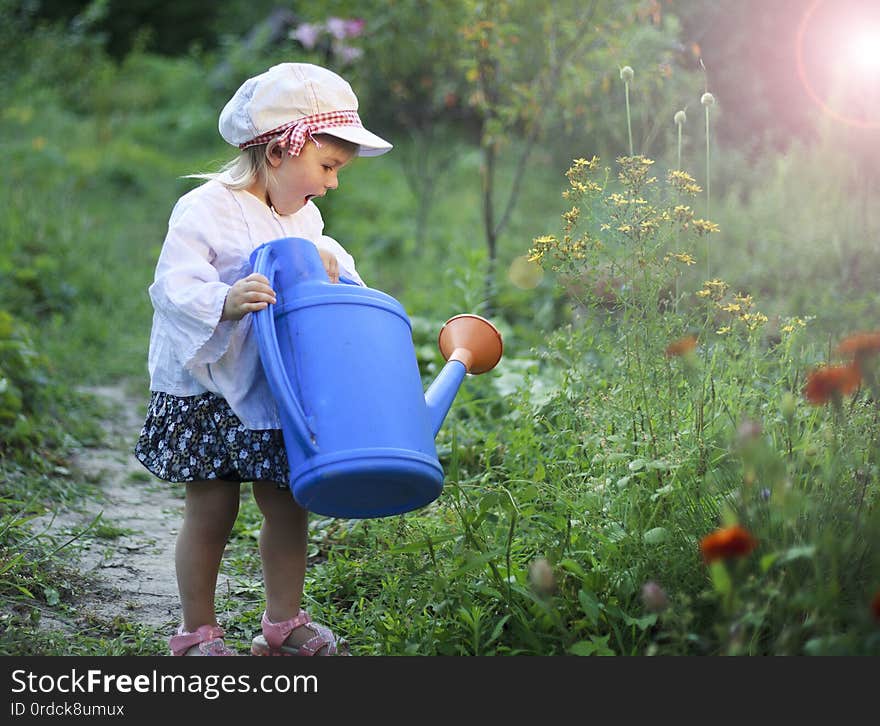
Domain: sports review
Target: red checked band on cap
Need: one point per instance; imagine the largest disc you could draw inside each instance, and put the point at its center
(293, 135)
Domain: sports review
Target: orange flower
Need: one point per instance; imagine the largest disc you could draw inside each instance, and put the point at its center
(825, 384)
(860, 345)
(727, 542)
(682, 346)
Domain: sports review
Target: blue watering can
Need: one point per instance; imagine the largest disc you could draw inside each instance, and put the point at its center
(339, 358)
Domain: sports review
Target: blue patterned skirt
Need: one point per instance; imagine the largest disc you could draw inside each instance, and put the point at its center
(195, 438)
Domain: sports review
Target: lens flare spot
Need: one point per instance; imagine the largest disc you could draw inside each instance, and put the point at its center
(524, 274)
(865, 49)
(837, 49)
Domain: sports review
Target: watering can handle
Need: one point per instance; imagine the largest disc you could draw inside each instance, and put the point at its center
(264, 322)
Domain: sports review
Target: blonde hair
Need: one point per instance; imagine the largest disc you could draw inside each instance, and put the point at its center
(252, 164)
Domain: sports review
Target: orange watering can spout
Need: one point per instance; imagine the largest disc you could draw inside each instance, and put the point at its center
(470, 344)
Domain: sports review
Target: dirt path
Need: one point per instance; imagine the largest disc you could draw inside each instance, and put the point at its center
(129, 553)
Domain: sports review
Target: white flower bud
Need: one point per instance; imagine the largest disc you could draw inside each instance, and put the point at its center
(654, 597)
(626, 74)
(680, 118)
(707, 99)
(541, 576)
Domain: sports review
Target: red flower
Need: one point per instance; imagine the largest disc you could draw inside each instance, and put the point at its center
(726, 543)
(860, 345)
(682, 346)
(875, 605)
(825, 384)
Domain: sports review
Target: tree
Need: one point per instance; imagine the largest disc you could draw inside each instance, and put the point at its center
(526, 63)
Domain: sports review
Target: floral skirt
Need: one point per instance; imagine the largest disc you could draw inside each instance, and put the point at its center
(194, 438)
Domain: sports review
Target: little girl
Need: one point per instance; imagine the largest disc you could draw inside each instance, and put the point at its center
(212, 422)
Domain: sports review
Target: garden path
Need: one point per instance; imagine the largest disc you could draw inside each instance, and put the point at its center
(128, 555)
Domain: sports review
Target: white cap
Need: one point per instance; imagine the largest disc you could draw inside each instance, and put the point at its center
(296, 95)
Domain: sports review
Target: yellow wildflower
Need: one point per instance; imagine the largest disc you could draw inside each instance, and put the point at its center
(542, 245)
(683, 213)
(723, 331)
(704, 226)
(793, 324)
(633, 170)
(754, 320)
(683, 182)
(649, 226)
(582, 163)
(682, 257)
(677, 175)
(714, 289)
(571, 217)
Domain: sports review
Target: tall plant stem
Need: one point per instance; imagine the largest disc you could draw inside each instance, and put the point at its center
(677, 231)
(708, 196)
(628, 118)
(679, 147)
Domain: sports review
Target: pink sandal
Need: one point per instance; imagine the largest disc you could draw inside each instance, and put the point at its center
(271, 642)
(206, 640)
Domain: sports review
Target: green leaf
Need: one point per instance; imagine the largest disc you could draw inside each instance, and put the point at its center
(51, 595)
(792, 553)
(768, 560)
(499, 627)
(657, 535)
(720, 578)
(662, 492)
(642, 623)
(797, 553)
(597, 645)
(573, 567)
(583, 647)
(539, 474)
(590, 605)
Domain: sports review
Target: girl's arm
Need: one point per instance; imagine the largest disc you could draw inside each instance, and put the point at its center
(188, 294)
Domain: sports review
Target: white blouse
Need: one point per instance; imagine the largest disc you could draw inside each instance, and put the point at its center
(211, 234)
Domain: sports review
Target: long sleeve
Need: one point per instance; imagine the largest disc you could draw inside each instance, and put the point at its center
(188, 293)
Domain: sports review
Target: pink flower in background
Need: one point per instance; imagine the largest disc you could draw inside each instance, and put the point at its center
(307, 35)
(336, 28)
(354, 27)
(311, 35)
(346, 53)
(341, 28)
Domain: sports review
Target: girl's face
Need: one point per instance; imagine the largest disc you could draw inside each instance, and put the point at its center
(297, 179)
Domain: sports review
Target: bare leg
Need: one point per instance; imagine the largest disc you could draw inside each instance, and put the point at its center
(210, 512)
(283, 541)
(282, 549)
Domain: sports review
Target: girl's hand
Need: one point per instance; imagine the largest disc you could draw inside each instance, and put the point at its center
(331, 265)
(247, 295)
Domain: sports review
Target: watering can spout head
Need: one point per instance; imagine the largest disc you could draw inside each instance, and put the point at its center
(470, 344)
